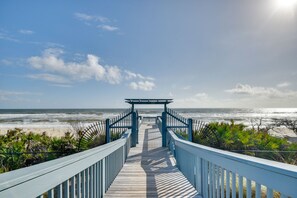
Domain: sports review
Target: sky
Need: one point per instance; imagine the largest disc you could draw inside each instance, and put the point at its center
(94, 54)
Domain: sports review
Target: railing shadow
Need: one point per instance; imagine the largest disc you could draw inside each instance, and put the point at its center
(157, 163)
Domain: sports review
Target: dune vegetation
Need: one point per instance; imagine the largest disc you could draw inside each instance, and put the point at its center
(254, 142)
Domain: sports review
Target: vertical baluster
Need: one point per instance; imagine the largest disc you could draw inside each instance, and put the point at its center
(233, 185)
(258, 190)
(96, 180)
(210, 180)
(227, 183)
(50, 193)
(91, 181)
(222, 182)
(205, 178)
(66, 189)
(72, 194)
(240, 186)
(214, 180)
(103, 176)
(248, 188)
(83, 186)
(60, 191)
(217, 173)
(199, 175)
(78, 187)
(269, 192)
(87, 183)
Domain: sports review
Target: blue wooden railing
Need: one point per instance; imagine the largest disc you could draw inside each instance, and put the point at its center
(218, 173)
(85, 174)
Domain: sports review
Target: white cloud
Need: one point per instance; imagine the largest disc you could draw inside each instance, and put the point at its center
(113, 75)
(86, 17)
(50, 61)
(131, 75)
(6, 62)
(284, 84)
(50, 78)
(142, 85)
(108, 28)
(15, 96)
(22, 31)
(61, 85)
(188, 87)
(249, 90)
(201, 96)
(99, 22)
(6, 37)
(58, 71)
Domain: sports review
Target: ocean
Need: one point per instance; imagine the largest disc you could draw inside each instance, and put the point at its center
(60, 118)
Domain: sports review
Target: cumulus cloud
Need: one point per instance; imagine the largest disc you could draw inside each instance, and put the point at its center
(131, 75)
(284, 84)
(50, 78)
(86, 17)
(245, 89)
(50, 61)
(56, 70)
(22, 31)
(142, 85)
(108, 28)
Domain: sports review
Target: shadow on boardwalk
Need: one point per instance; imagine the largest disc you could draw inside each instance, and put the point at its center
(150, 171)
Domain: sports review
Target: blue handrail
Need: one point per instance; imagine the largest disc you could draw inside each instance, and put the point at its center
(85, 174)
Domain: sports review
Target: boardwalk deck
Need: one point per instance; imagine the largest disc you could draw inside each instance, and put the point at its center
(150, 171)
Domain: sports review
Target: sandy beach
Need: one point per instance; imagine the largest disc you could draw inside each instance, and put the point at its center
(50, 131)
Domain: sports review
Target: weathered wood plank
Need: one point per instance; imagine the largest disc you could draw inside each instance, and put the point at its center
(150, 170)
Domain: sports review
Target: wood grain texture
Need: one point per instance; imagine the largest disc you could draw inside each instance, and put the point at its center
(150, 170)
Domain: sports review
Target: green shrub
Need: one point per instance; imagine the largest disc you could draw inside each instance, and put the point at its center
(237, 138)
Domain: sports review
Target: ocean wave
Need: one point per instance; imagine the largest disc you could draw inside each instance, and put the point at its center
(63, 118)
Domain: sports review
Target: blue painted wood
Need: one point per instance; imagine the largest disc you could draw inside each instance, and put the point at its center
(50, 193)
(248, 188)
(227, 183)
(256, 169)
(35, 180)
(240, 186)
(66, 189)
(72, 193)
(107, 130)
(233, 185)
(190, 129)
(164, 129)
(134, 130)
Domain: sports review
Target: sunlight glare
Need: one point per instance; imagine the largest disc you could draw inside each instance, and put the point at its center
(286, 4)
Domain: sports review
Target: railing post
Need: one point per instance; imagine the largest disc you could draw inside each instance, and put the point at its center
(164, 129)
(137, 126)
(107, 131)
(134, 125)
(190, 129)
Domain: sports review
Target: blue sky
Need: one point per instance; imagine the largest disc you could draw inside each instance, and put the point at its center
(93, 54)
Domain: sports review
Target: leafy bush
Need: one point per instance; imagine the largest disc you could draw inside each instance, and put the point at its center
(236, 138)
(19, 149)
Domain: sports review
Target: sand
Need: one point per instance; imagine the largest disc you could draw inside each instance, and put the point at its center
(50, 131)
(283, 132)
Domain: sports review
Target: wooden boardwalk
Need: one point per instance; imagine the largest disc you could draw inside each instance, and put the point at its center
(150, 170)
